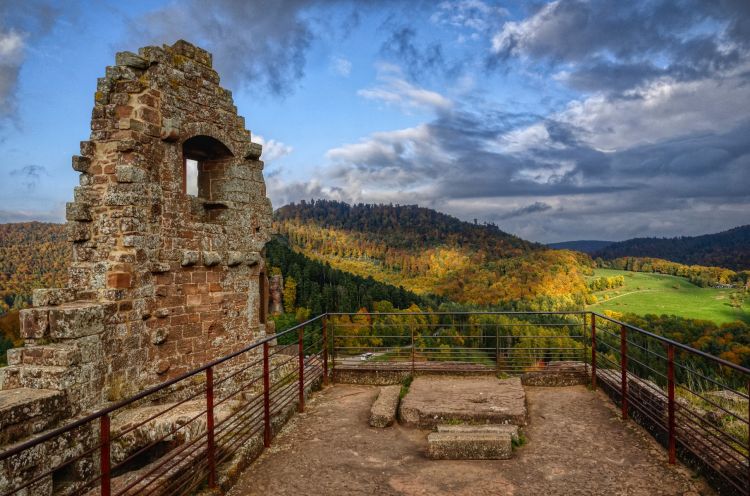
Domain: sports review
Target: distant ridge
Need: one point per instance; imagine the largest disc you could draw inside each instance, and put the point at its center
(729, 249)
(583, 245)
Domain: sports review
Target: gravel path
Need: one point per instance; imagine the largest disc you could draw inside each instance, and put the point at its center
(575, 445)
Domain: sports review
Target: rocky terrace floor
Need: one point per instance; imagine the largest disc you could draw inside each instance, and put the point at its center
(576, 445)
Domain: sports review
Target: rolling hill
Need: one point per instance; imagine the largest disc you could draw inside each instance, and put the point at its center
(429, 252)
(729, 249)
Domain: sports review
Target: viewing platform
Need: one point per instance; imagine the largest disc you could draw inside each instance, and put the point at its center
(490, 403)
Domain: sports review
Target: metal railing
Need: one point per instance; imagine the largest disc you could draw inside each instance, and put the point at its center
(694, 403)
(201, 419)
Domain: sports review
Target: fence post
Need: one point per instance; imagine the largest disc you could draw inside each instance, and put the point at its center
(325, 351)
(301, 347)
(210, 427)
(672, 445)
(266, 399)
(624, 371)
(593, 351)
(333, 351)
(104, 454)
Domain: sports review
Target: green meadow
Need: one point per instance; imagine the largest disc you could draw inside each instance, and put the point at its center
(646, 293)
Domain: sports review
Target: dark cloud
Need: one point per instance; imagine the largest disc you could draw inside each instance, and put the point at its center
(29, 175)
(611, 45)
(419, 60)
(254, 42)
(535, 207)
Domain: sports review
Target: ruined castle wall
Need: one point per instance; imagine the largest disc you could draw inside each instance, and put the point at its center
(161, 281)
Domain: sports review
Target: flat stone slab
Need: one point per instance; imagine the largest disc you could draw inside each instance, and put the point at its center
(383, 410)
(478, 400)
(511, 430)
(469, 446)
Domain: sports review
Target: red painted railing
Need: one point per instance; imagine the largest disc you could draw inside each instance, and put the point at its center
(197, 422)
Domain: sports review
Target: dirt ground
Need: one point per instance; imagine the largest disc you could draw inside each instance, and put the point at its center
(576, 445)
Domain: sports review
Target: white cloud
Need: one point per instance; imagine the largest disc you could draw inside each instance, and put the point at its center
(474, 15)
(272, 149)
(341, 66)
(661, 110)
(11, 57)
(393, 89)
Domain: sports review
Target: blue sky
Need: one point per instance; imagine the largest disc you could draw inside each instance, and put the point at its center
(557, 120)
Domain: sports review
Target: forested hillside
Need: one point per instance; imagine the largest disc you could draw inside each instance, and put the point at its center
(317, 287)
(432, 253)
(729, 249)
(32, 255)
(584, 245)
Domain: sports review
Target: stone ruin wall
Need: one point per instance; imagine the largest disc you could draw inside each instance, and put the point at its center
(161, 281)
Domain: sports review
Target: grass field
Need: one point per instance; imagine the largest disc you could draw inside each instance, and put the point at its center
(646, 293)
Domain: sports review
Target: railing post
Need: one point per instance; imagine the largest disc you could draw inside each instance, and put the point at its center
(624, 371)
(104, 454)
(333, 351)
(266, 399)
(210, 427)
(412, 349)
(325, 351)
(497, 349)
(301, 347)
(593, 351)
(672, 445)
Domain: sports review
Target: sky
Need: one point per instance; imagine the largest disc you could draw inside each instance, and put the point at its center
(562, 120)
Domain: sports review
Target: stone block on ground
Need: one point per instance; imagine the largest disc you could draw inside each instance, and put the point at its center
(383, 411)
(510, 429)
(469, 446)
(434, 400)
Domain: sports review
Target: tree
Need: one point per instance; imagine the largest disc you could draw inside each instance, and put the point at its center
(290, 294)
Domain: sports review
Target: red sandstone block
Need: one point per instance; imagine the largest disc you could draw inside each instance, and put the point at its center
(213, 276)
(119, 280)
(190, 289)
(178, 320)
(199, 277)
(165, 279)
(213, 287)
(193, 300)
(34, 323)
(122, 111)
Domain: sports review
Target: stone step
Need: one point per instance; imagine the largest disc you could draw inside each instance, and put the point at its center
(383, 410)
(469, 446)
(25, 411)
(40, 376)
(51, 355)
(510, 429)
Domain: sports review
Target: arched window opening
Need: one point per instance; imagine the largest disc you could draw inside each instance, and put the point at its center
(204, 163)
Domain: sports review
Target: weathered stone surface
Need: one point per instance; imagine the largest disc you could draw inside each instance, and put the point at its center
(469, 446)
(130, 59)
(130, 174)
(189, 258)
(510, 429)
(434, 400)
(234, 258)
(253, 258)
(211, 258)
(383, 411)
(25, 411)
(557, 374)
(78, 211)
(75, 320)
